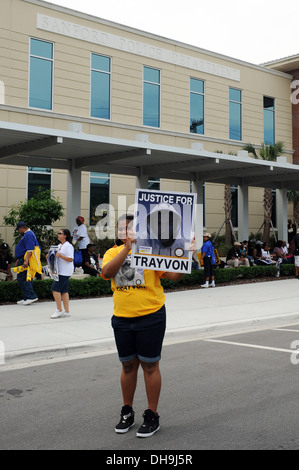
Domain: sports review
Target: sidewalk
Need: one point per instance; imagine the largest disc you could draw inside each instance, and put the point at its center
(28, 334)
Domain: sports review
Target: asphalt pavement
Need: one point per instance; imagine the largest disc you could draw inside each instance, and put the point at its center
(27, 333)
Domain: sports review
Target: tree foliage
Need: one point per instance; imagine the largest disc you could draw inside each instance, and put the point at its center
(268, 153)
(39, 212)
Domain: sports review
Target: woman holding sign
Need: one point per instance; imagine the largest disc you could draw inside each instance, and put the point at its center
(60, 288)
(139, 322)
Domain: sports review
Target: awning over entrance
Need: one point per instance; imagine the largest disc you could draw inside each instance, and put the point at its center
(35, 146)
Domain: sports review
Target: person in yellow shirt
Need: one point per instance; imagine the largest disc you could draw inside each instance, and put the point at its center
(139, 323)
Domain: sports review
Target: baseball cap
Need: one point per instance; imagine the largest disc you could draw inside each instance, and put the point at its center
(207, 234)
(21, 224)
(3, 246)
(237, 244)
(81, 219)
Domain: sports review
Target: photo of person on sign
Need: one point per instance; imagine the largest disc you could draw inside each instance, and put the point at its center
(163, 232)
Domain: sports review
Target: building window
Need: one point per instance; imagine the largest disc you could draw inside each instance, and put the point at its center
(151, 97)
(99, 194)
(269, 120)
(235, 114)
(40, 74)
(196, 106)
(38, 178)
(100, 86)
(154, 183)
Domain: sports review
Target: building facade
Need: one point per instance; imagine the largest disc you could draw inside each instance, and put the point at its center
(69, 72)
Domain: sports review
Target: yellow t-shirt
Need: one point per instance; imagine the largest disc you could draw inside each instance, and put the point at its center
(136, 292)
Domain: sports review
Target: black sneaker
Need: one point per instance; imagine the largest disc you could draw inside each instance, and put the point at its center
(150, 424)
(126, 420)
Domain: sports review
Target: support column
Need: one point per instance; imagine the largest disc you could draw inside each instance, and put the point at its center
(142, 180)
(243, 212)
(295, 115)
(282, 214)
(73, 200)
(197, 187)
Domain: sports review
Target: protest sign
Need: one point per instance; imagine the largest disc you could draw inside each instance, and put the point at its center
(52, 262)
(164, 226)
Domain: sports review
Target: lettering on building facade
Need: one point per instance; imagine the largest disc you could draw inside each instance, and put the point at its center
(83, 33)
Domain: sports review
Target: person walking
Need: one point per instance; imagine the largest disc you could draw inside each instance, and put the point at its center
(23, 252)
(207, 251)
(80, 235)
(139, 322)
(60, 288)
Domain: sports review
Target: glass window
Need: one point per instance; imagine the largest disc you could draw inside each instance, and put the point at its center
(40, 74)
(196, 106)
(151, 97)
(99, 194)
(38, 178)
(153, 183)
(100, 86)
(235, 114)
(269, 120)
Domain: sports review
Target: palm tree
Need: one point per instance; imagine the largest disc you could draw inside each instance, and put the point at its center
(268, 153)
(228, 203)
(228, 213)
(293, 196)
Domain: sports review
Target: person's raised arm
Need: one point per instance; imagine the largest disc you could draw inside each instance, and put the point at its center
(113, 266)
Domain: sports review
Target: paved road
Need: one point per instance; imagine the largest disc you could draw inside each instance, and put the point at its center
(231, 392)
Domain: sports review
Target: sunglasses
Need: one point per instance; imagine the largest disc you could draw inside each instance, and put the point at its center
(60, 233)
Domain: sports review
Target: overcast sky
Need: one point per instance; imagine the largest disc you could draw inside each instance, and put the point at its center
(256, 31)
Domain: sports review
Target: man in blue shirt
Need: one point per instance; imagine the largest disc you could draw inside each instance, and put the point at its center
(23, 252)
(207, 250)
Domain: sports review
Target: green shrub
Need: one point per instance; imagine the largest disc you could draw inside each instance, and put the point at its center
(97, 287)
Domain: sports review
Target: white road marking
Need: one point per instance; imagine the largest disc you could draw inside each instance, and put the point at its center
(254, 346)
(285, 329)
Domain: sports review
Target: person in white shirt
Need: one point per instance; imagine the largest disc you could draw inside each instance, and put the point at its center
(80, 235)
(60, 288)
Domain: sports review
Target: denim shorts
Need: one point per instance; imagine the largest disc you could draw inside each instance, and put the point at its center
(62, 285)
(140, 337)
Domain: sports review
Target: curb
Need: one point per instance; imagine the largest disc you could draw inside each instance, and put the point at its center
(174, 336)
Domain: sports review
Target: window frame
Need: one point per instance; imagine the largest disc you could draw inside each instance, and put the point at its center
(154, 181)
(240, 103)
(159, 85)
(37, 172)
(52, 60)
(92, 69)
(268, 111)
(191, 92)
(95, 174)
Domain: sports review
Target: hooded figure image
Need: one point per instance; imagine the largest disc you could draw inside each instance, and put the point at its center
(163, 233)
